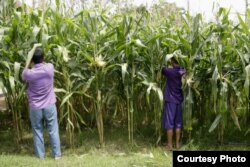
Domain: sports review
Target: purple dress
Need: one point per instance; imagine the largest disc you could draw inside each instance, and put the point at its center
(173, 97)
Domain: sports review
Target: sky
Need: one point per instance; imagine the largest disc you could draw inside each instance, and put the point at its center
(200, 6)
(206, 7)
(209, 7)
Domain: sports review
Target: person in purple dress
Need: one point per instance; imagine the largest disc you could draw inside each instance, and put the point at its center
(173, 98)
(42, 99)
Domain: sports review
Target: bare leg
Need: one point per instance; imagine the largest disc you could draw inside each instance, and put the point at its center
(178, 135)
(170, 140)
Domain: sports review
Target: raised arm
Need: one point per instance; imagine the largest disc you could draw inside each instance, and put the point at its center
(164, 71)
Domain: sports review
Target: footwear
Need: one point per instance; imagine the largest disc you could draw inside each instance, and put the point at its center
(57, 158)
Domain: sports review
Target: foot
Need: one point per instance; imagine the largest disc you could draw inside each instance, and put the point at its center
(178, 146)
(169, 148)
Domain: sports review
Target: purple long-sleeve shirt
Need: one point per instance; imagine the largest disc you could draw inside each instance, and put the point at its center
(173, 89)
(40, 85)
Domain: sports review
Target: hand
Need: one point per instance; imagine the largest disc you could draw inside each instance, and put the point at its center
(36, 45)
(31, 53)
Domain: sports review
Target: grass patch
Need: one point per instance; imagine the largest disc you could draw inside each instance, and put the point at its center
(116, 153)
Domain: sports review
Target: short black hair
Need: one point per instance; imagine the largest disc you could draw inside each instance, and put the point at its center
(174, 60)
(38, 56)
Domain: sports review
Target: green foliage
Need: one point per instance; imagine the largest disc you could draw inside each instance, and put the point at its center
(108, 67)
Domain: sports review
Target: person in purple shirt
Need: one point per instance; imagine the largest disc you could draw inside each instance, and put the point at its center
(42, 99)
(173, 97)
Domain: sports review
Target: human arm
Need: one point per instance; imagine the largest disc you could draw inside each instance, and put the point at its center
(164, 71)
(27, 74)
(30, 55)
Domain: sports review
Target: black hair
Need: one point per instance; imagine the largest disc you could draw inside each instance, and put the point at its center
(38, 56)
(173, 60)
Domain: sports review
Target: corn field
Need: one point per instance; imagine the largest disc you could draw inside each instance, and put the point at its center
(108, 67)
